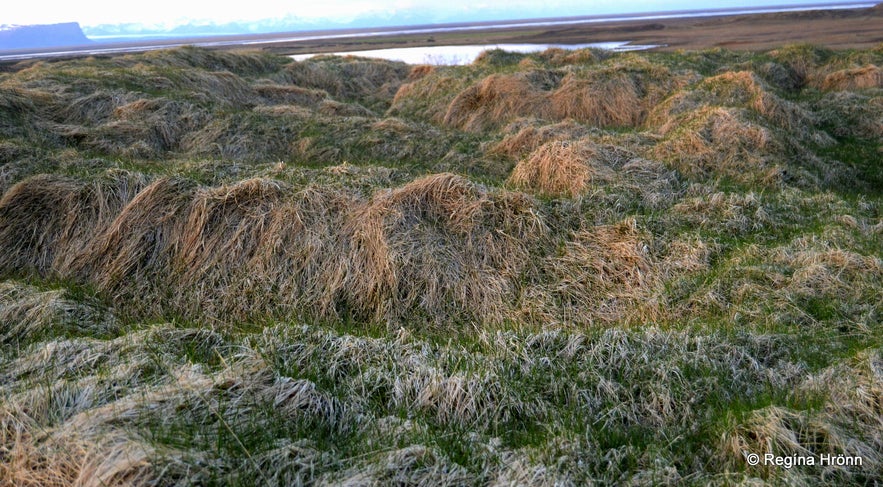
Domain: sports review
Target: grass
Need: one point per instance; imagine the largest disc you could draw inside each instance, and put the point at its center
(227, 268)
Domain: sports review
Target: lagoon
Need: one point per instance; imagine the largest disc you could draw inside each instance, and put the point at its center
(461, 55)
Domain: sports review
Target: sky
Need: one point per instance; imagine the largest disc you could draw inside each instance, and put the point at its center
(170, 13)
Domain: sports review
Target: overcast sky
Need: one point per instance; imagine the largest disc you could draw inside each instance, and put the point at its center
(175, 12)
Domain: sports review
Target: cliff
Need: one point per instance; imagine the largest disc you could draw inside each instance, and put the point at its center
(41, 36)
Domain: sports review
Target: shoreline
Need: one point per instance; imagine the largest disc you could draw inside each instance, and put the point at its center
(834, 27)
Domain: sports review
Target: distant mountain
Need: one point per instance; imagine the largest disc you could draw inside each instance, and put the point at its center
(42, 36)
(293, 23)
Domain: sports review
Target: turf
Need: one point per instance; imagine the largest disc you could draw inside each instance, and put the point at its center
(223, 268)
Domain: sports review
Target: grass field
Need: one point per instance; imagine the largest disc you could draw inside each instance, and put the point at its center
(562, 268)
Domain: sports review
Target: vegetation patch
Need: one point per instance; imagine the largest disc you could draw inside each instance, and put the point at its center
(569, 267)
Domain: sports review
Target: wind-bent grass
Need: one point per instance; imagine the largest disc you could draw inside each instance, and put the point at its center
(560, 268)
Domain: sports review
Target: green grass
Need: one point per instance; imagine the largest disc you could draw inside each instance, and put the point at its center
(756, 312)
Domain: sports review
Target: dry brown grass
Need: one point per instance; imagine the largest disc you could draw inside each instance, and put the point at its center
(849, 423)
(65, 460)
(607, 269)
(441, 245)
(495, 100)
(427, 97)
(333, 108)
(371, 82)
(602, 101)
(277, 94)
(420, 71)
(133, 256)
(525, 136)
(722, 141)
(49, 220)
(27, 312)
(853, 79)
(562, 57)
(852, 114)
(619, 94)
(146, 128)
(559, 169)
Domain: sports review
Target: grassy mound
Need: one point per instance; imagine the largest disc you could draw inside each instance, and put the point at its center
(617, 94)
(230, 268)
(558, 169)
(854, 79)
(495, 100)
(441, 245)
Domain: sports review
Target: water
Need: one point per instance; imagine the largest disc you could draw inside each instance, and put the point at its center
(460, 55)
(441, 56)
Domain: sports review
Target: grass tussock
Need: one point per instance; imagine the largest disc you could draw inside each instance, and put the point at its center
(601, 101)
(229, 268)
(559, 169)
(609, 270)
(401, 252)
(68, 214)
(524, 137)
(133, 255)
(720, 141)
(854, 79)
(495, 100)
(847, 424)
(371, 81)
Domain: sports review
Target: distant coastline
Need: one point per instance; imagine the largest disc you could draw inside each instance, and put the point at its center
(853, 24)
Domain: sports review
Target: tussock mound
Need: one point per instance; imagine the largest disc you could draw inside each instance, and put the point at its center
(848, 114)
(494, 101)
(440, 245)
(276, 94)
(559, 169)
(619, 94)
(133, 258)
(803, 60)
(498, 58)
(732, 125)
(253, 247)
(370, 82)
(740, 89)
(250, 136)
(781, 76)
(606, 269)
(357, 139)
(420, 71)
(17, 108)
(560, 57)
(241, 63)
(93, 108)
(721, 141)
(215, 87)
(523, 137)
(47, 220)
(428, 97)
(146, 128)
(331, 108)
(854, 79)
(601, 101)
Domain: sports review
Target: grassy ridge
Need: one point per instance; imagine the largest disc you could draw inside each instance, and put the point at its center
(564, 267)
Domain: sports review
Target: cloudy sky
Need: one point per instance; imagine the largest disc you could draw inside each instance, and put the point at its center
(170, 13)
